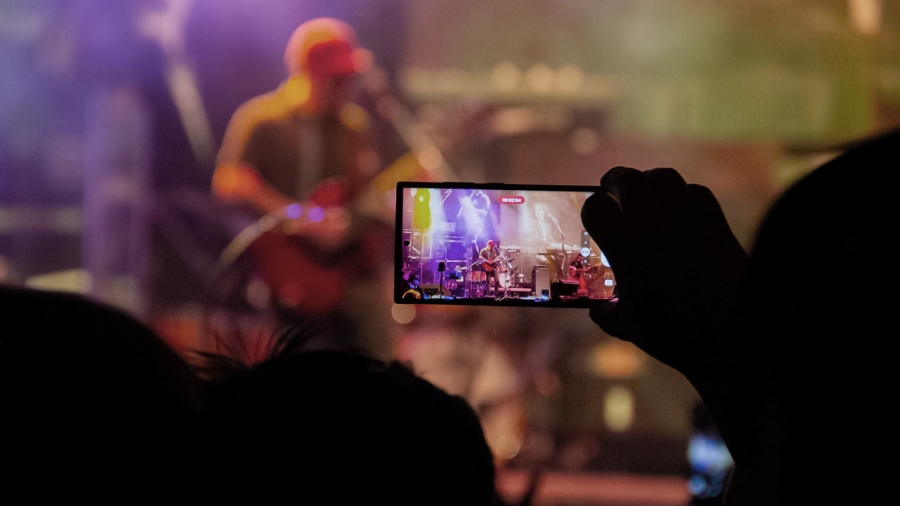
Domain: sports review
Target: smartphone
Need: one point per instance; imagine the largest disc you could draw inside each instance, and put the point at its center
(497, 244)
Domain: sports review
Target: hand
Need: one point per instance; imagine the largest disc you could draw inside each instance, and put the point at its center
(676, 261)
(235, 183)
(241, 184)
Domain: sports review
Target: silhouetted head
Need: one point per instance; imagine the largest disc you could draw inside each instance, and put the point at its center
(820, 315)
(328, 427)
(94, 403)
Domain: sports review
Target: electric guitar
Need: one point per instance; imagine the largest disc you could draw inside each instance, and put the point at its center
(574, 272)
(308, 253)
(490, 265)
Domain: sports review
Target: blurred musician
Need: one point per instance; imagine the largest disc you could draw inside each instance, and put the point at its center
(547, 226)
(281, 146)
(304, 153)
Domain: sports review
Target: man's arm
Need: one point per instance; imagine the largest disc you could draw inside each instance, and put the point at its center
(241, 184)
(234, 179)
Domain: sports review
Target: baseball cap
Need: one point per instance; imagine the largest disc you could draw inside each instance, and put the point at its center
(325, 47)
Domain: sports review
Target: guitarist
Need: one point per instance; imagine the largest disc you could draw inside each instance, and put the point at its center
(281, 146)
(577, 268)
(491, 260)
(305, 146)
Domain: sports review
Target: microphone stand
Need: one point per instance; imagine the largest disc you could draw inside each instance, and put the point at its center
(562, 235)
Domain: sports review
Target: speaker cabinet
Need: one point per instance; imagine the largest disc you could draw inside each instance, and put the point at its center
(540, 280)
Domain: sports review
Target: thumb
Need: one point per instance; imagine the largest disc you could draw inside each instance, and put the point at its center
(602, 219)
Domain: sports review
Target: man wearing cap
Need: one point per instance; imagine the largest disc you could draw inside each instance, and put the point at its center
(282, 146)
(306, 143)
(491, 259)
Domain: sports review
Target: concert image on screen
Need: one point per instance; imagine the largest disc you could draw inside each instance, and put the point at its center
(497, 244)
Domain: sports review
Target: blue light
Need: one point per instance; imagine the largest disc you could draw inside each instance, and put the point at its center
(316, 214)
(697, 485)
(294, 211)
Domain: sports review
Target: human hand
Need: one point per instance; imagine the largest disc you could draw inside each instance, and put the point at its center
(676, 261)
(235, 183)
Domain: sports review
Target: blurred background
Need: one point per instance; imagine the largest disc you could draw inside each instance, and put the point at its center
(111, 112)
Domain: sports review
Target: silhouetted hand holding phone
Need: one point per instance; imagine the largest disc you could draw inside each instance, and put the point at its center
(680, 272)
(677, 262)
(788, 347)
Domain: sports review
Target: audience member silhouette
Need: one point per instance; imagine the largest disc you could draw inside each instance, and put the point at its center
(95, 406)
(789, 347)
(335, 427)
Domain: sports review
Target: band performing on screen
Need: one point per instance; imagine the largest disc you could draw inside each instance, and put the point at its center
(489, 245)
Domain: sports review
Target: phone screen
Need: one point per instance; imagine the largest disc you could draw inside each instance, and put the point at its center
(497, 244)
